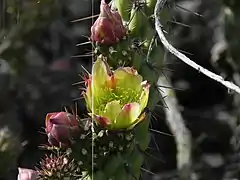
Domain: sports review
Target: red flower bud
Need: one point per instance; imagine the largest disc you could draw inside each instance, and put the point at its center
(108, 28)
(27, 174)
(61, 127)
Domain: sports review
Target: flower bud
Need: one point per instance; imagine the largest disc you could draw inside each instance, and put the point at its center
(108, 28)
(27, 174)
(61, 127)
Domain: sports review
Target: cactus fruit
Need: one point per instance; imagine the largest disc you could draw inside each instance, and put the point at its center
(112, 140)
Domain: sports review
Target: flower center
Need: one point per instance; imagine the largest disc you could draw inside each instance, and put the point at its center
(123, 95)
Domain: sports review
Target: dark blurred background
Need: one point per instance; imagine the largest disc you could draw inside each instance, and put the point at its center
(39, 62)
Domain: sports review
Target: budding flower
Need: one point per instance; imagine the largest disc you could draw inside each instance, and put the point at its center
(108, 28)
(27, 174)
(61, 127)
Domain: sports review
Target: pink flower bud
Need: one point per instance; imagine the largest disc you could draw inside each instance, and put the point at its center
(26, 174)
(108, 28)
(61, 127)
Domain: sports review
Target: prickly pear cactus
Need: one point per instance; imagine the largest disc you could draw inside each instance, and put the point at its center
(118, 150)
(121, 90)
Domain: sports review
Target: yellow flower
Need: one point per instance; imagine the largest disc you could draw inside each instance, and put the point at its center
(116, 99)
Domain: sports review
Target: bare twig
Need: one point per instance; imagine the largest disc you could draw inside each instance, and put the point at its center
(159, 6)
(182, 135)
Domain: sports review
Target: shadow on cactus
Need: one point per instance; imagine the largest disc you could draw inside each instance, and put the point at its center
(110, 143)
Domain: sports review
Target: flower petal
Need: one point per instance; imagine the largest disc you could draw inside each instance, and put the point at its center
(61, 133)
(102, 121)
(52, 140)
(127, 77)
(128, 115)
(112, 110)
(48, 123)
(102, 31)
(108, 28)
(99, 72)
(99, 77)
(138, 120)
(120, 30)
(88, 100)
(55, 117)
(143, 100)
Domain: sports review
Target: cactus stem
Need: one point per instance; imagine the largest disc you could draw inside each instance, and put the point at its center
(128, 170)
(137, 4)
(151, 66)
(139, 8)
(154, 67)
